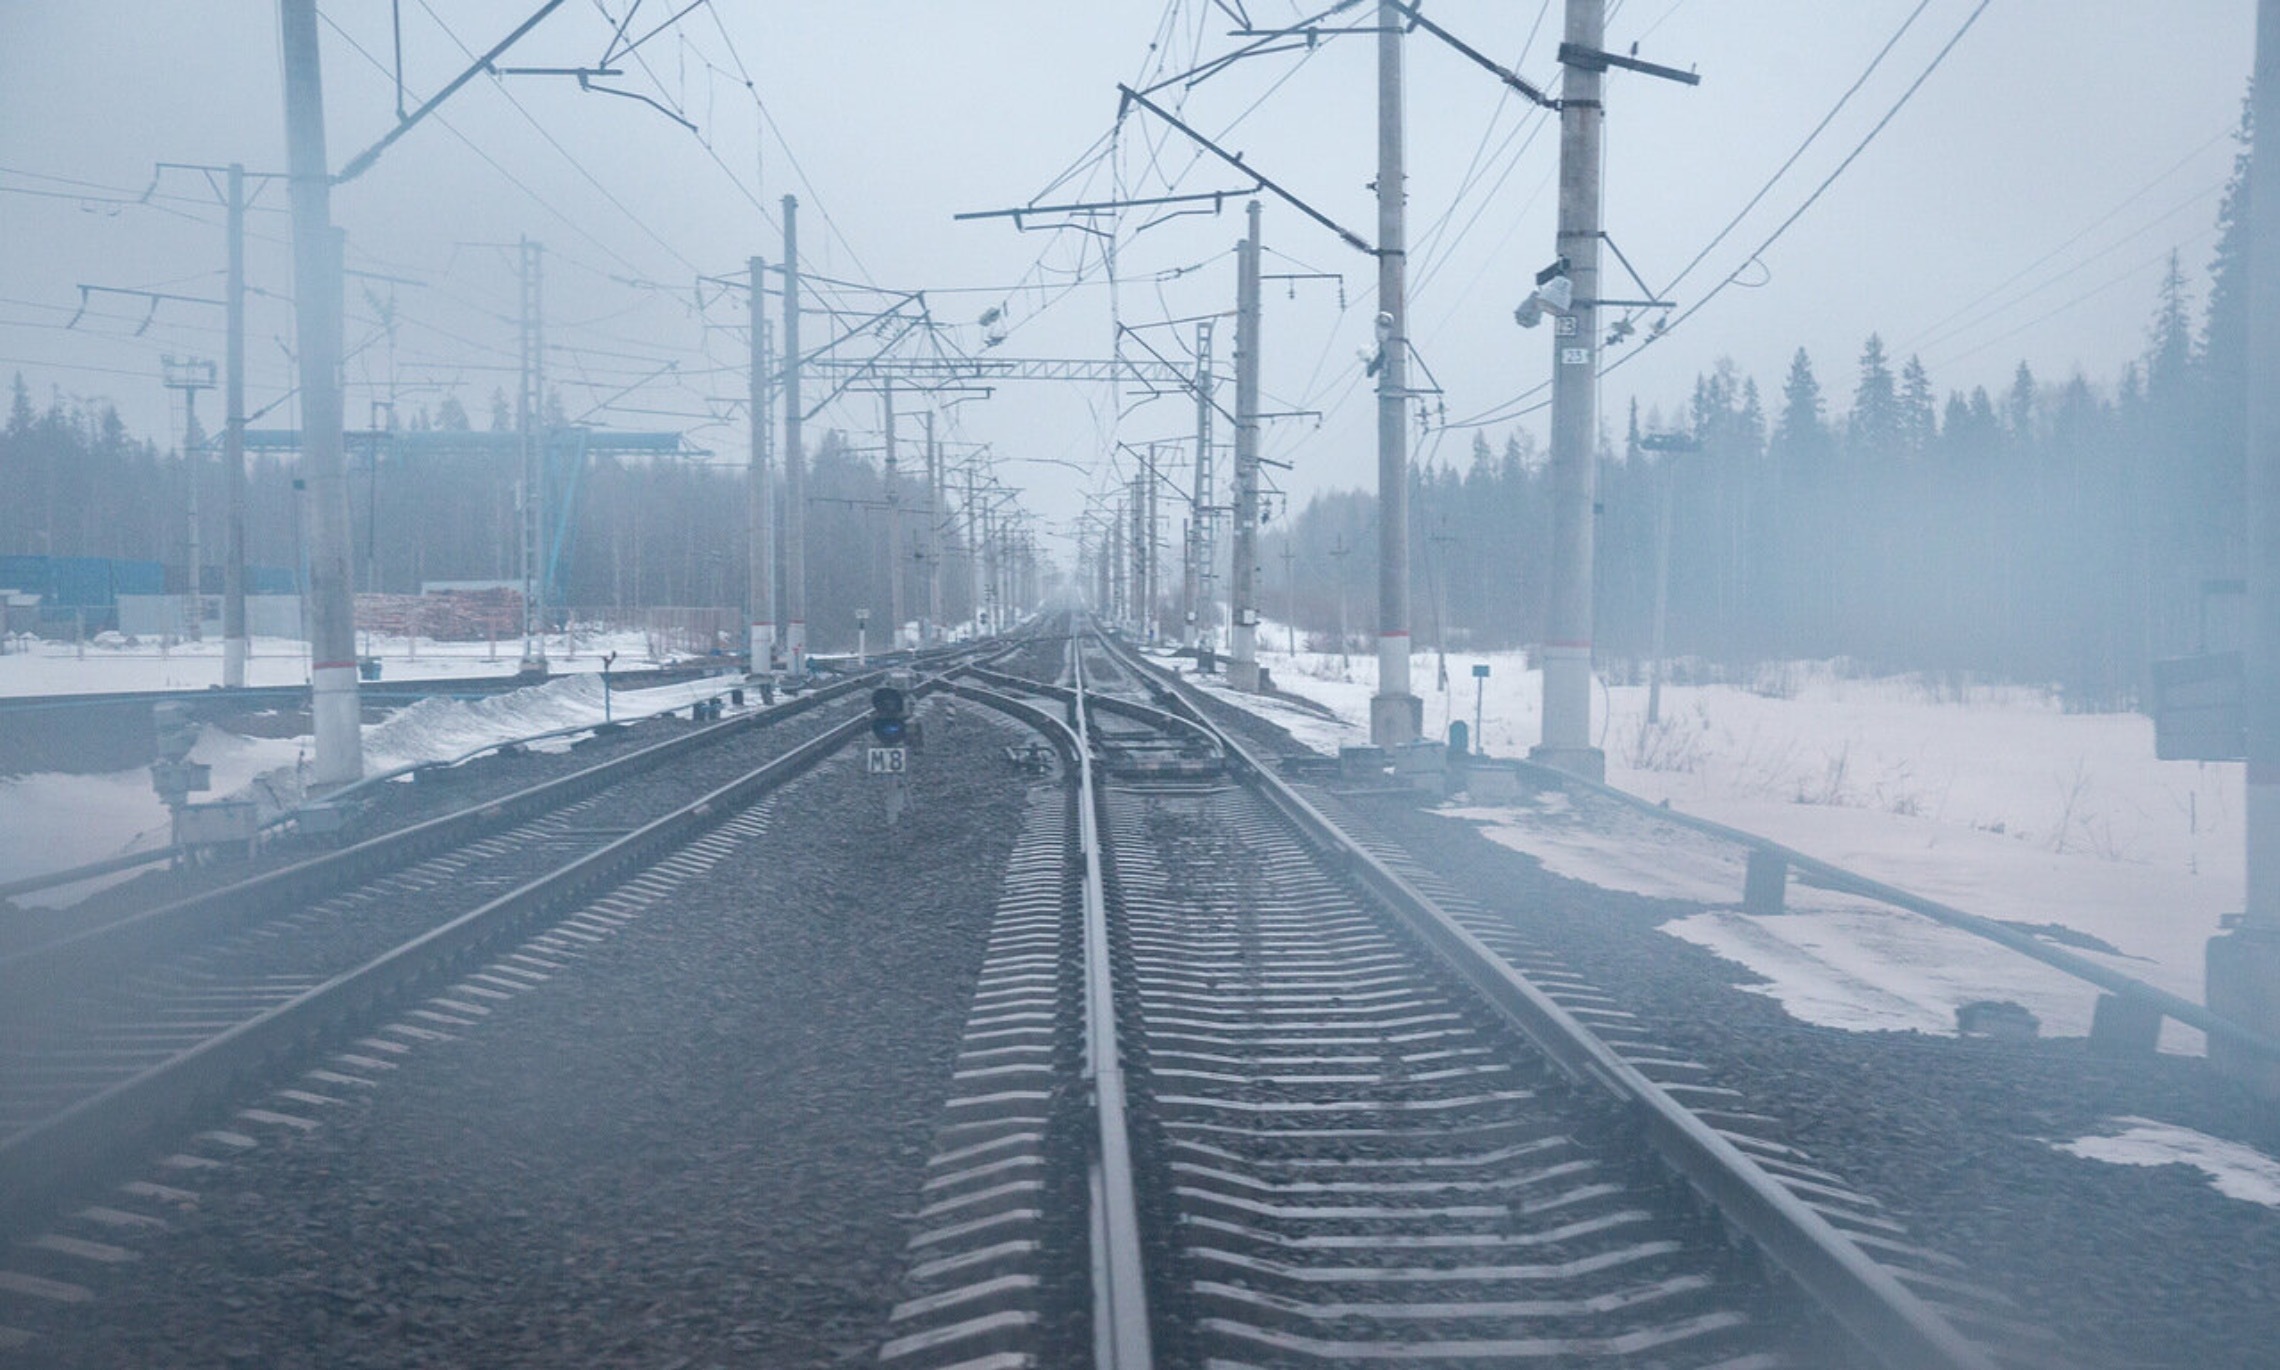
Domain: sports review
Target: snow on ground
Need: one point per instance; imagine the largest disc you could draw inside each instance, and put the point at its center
(111, 663)
(2238, 1172)
(1991, 798)
(52, 822)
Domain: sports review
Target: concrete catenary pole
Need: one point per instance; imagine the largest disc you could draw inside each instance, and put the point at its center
(1204, 516)
(760, 543)
(190, 377)
(894, 524)
(1662, 588)
(194, 584)
(235, 643)
(974, 554)
(992, 527)
(932, 628)
(1575, 413)
(795, 457)
(335, 712)
(1243, 574)
(1151, 623)
(2244, 964)
(530, 425)
(1396, 715)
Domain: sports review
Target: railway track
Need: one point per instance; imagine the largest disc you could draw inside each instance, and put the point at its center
(113, 1035)
(1236, 1089)
(1333, 1115)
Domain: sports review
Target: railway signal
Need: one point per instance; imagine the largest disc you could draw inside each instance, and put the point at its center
(890, 716)
(891, 733)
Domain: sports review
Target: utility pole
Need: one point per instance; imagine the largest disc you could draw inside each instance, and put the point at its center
(334, 709)
(1155, 588)
(1140, 554)
(1575, 407)
(530, 422)
(760, 596)
(1117, 608)
(235, 643)
(1243, 589)
(1662, 588)
(795, 456)
(191, 375)
(894, 524)
(1396, 715)
(933, 624)
(1290, 607)
(974, 554)
(2244, 964)
(1204, 601)
(990, 556)
(1338, 555)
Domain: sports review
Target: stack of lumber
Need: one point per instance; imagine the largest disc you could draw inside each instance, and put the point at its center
(443, 615)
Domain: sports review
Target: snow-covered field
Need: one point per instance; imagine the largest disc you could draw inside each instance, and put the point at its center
(111, 663)
(1989, 798)
(52, 822)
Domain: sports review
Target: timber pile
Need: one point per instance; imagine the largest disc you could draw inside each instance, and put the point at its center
(444, 615)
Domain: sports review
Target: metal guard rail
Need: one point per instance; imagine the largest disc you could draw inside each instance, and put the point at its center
(1887, 1319)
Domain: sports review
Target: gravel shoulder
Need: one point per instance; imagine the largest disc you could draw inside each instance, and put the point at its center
(694, 1145)
(2134, 1266)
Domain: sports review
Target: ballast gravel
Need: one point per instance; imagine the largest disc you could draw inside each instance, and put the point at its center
(696, 1145)
(2128, 1266)
(2133, 1268)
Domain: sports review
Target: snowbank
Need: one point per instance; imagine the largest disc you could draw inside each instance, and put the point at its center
(1990, 798)
(52, 822)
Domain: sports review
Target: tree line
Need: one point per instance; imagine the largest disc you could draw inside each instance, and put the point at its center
(641, 532)
(2059, 531)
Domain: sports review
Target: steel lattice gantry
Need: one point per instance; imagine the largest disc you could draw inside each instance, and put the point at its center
(565, 446)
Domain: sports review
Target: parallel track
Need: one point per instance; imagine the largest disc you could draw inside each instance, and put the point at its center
(117, 1033)
(1353, 1131)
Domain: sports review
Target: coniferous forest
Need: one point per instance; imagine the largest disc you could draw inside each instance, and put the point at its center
(2064, 530)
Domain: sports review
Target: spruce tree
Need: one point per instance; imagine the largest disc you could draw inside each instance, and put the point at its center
(1874, 428)
(1919, 418)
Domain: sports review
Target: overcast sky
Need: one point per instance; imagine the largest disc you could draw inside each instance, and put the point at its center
(2019, 206)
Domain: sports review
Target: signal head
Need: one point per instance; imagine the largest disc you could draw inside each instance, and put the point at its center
(890, 716)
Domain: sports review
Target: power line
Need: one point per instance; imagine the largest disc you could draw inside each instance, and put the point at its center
(517, 182)
(1810, 138)
(1818, 191)
(1926, 336)
(2133, 273)
(499, 83)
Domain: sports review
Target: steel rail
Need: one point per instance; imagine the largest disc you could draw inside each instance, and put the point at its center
(1122, 1338)
(96, 1132)
(103, 952)
(1879, 1312)
(1125, 708)
(1120, 1295)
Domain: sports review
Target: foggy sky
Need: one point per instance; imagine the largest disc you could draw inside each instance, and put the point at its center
(2092, 129)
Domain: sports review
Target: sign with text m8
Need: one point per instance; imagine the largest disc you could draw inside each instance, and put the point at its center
(886, 760)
